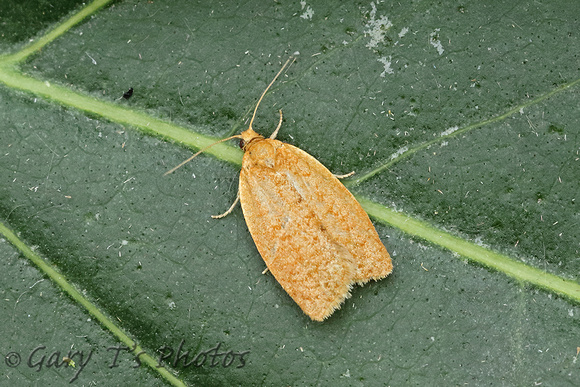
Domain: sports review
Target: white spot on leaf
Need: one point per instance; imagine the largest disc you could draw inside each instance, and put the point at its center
(449, 131)
(435, 42)
(387, 63)
(403, 32)
(376, 28)
(308, 13)
(399, 152)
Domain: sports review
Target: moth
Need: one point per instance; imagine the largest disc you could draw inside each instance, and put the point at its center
(315, 238)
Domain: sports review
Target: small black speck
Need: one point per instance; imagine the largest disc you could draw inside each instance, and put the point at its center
(128, 93)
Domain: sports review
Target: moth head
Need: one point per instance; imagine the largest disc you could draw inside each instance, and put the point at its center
(248, 137)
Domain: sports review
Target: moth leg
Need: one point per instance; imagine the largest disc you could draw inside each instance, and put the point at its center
(273, 136)
(230, 209)
(343, 176)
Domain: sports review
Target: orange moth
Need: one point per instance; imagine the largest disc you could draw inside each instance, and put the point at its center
(313, 235)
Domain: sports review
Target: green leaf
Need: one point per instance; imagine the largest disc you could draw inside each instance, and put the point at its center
(461, 122)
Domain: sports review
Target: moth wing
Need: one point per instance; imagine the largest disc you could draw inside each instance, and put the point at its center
(307, 227)
(342, 214)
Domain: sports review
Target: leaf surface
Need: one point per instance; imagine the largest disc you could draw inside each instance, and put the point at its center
(461, 123)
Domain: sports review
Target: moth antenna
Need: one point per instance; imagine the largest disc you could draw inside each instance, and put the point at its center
(267, 88)
(273, 135)
(236, 136)
(201, 151)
